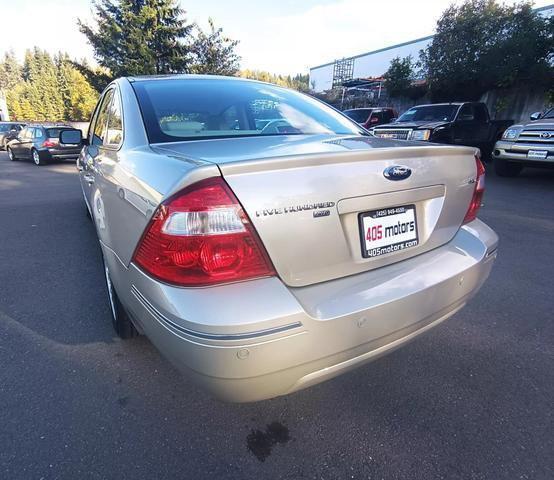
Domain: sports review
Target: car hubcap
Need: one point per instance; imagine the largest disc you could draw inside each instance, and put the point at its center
(36, 158)
(110, 290)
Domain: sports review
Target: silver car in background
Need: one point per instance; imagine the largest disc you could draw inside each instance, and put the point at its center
(263, 241)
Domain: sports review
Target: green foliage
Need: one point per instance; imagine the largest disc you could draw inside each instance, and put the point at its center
(10, 71)
(483, 45)
(139, 37)
(298, 81)
(401, 77)
(46, 89)
(214, 53)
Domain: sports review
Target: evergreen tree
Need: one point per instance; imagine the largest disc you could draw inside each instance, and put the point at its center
(134, 37)
(298, 82)
(10, 72)
(214, 53)
(48, 89)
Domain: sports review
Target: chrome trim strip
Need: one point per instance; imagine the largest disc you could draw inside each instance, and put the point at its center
(208, 336)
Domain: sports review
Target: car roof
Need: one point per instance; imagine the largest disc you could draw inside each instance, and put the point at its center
(190, 76)
(368, 108)
(187, 76)
(456, 104)
(48, 125)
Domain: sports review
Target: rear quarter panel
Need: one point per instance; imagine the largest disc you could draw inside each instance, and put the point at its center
(132, 181)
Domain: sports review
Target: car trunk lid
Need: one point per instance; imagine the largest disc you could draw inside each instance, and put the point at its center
(307, 208)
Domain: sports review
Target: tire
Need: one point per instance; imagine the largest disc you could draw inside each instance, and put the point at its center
(504, 168)
(35, 155)
(11, 155)
(121, 322)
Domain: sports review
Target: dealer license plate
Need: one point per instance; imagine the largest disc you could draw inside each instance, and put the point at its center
(537, 154)
(388, 230)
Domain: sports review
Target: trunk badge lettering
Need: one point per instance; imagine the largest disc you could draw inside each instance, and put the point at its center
(397, 172)
(298, 208)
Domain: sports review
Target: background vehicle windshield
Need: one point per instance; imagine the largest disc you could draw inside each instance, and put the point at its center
(358, 115)
(430, 113)
(4, 127)
(549, 114)
(189, 109)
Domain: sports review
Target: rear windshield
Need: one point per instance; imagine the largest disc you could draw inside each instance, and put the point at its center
(54, 132)
(191, 109)
(358, 115)
(430, 113)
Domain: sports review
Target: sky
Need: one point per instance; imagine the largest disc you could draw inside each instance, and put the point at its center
(280, 36)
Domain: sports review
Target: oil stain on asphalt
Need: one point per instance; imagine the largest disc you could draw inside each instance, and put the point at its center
(261, 442)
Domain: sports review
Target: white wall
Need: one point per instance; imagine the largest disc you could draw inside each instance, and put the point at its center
(4, 114)
(372, 64)
(376, 64)
(321, 78)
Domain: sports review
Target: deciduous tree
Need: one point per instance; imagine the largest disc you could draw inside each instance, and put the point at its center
(482, 45)
(214, 53)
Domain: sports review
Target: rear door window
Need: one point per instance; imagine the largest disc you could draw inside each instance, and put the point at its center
(38, 133)
(466, 113)
(27, 133)
(480, 112)
(99, 131)
(114, 132)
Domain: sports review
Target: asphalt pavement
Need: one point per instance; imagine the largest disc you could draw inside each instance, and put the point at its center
(472, 399)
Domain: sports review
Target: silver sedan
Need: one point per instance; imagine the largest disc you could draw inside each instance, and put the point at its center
(263, 241)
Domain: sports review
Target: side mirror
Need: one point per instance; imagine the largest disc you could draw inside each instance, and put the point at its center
(536, 115)
(71, 137)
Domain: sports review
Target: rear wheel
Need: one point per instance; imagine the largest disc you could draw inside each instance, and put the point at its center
(504, 168)
(122, 324)
(11, 155)
(36, 158)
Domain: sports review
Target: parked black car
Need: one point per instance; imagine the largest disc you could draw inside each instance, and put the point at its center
(371, 117)
(9, 131)
(40, 143)
(460, 123)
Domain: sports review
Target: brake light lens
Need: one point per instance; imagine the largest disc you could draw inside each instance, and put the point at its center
(478, 192)
(49, 143)
(201, 237)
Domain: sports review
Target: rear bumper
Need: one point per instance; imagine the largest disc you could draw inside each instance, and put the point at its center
(517, 152)
(59, 154)
(259, 339)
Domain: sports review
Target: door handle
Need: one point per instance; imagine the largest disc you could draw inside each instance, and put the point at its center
(88, 178)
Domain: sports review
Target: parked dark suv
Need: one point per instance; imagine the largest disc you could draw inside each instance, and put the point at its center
(41, 143)
(9, 131)
(371, 117)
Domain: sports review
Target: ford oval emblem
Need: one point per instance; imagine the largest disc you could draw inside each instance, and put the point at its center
(397, 172)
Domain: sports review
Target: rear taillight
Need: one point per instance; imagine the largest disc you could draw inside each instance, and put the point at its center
(478, 192)
(49, 143)
(202, 236)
